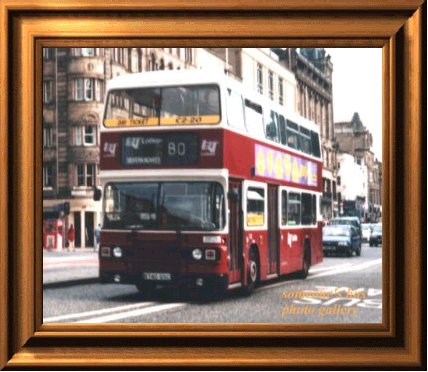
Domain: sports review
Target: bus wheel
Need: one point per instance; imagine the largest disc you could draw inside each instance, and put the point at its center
(306, 263)
(359, 251)
(253, 271)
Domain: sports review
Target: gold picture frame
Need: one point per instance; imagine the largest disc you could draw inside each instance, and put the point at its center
(397, 26)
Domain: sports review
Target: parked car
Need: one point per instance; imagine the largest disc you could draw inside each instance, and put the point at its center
(341, 239)
(354, 221)
(366, 229)
(376, 236)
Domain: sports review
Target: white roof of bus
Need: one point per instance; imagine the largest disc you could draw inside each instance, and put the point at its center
(164, 77)
(189, 77)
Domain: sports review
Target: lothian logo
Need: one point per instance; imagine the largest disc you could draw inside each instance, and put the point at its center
(209, 148)
(291, 238)
(109, 150)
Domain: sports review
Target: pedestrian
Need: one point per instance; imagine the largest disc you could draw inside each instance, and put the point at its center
(97, 237)
(71, 236)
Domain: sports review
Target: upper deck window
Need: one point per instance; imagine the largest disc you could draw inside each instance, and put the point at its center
(180, 105)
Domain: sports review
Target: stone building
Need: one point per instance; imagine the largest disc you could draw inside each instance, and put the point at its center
(354, 138)
(74, 84)
(313, 70)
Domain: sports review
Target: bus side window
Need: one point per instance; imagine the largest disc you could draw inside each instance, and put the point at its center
(314, 209)
(305, 140)
(292, 135)
(306, 209)
(282, 130)
(254, 118)
(235, 110)
(284, 207)
(315, 144)
(255, 206)
(293, 212)
(271, 129)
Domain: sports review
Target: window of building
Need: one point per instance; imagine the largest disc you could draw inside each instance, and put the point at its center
(88, 52)
(85, 135)
(48, 140)
(47, 53)
(188, 55)
(281, 91)
(125, 58)
(47, 176)
(86, 174)
(116, 55)
(83, 52)
(270, 82)
(87, 89)
(259, 78)
(255, 206)
(47, 91)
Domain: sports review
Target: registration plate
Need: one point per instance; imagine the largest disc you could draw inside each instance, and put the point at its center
(157, 276)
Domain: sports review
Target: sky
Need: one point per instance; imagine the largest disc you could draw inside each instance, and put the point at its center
(357, 87)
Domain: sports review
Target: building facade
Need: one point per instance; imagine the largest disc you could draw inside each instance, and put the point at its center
(74, 84)
(352, 186)
(354, 138)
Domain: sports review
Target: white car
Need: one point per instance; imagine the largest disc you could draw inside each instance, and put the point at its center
(366, 231)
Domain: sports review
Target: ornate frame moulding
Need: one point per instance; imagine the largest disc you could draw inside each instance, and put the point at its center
(396, 26)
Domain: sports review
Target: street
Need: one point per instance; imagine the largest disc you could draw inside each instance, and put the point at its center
(339, 290)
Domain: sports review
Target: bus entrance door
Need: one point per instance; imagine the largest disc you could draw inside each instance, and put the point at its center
(235, 232)
(273, 229)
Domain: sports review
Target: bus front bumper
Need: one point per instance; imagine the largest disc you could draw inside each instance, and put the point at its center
(167, 280)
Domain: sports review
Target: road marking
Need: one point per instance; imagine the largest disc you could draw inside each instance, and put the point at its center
(332, 270)
(317, 269)
(69, 258)
(363, 265)
(67, 265)
(54, 319)
(132, 314)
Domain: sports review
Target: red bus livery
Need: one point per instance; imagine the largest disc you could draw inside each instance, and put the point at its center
(205, 185)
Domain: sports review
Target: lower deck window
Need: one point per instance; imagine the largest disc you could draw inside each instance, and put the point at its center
(164, 206)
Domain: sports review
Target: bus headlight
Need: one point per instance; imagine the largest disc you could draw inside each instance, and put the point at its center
(117, 252)
(197, 254)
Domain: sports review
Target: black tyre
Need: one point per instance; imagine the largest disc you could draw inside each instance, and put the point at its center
(253, 271)
(358, 252)
(306, 265)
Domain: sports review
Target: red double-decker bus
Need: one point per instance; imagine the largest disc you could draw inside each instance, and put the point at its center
(205, 185)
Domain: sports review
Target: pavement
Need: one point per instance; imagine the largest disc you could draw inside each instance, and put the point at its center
(64, 268)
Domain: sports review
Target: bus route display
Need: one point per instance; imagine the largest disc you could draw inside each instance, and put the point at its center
(160, 149)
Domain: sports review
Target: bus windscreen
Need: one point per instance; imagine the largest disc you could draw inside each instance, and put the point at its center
(175, 106)
(164, 206)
